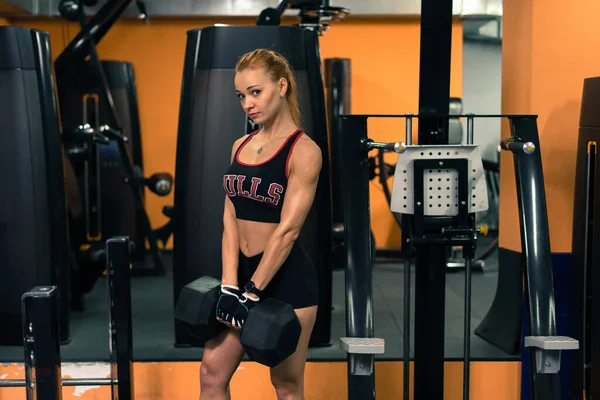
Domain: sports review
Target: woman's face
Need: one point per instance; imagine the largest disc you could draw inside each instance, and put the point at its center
(259, 96)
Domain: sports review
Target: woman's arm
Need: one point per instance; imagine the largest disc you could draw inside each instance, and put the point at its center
(230, 244)
(302, 185)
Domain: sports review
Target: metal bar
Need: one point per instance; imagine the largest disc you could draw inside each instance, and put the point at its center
(41, 343)
(535, 239)
(467, 337)
(470, 131)
(120, 326)
(443, 115)
(408, 129)
(592, 286)
(430, 288)
(77, 50)
(434, 71)
(65, 382)
(517, 146)
(89, 382)
(430, 264)
(406, 328)
(357, 242)
(587, 243)
(398, 147)
(337, 72)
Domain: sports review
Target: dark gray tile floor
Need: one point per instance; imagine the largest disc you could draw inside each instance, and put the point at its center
(153, 326)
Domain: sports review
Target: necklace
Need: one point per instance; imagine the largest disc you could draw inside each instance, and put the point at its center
(260, 149)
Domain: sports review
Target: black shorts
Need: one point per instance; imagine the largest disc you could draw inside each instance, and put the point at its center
(294, 283)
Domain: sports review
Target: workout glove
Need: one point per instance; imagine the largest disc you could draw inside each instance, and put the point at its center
(228, 302)
(241, 313)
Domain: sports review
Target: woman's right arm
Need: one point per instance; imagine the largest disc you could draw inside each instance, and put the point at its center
(230, 246)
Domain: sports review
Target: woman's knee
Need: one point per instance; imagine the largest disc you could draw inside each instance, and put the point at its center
(213, 377)
(287, 388)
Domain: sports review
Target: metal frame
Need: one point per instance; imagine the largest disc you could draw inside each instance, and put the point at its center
(43, 378)
(435, 232)
(67, 64)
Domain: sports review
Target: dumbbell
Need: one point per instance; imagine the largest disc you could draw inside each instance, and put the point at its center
(269, 335)
(197, 307)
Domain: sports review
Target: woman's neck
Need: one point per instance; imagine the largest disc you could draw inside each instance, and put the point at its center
(281, 122)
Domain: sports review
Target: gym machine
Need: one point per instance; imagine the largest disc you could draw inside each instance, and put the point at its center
(102, 139)
(337, 73)
(43, 378)
(437, 189)
(585, 285)
(314, 15)
(33, 238)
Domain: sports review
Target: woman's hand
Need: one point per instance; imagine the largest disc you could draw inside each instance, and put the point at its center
(227, 304)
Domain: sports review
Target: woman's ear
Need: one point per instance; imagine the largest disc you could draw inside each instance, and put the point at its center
(283, 86)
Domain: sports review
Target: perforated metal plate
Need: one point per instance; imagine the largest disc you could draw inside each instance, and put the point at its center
(440, 185)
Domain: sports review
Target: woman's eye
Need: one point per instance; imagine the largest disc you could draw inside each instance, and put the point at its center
(256, 92)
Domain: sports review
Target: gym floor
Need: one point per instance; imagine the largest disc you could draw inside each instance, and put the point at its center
(152, 306)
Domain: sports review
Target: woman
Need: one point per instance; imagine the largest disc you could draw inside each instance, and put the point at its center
(270, 187)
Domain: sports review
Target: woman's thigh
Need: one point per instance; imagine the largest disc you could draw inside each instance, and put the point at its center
(292, 369)
(222, 355)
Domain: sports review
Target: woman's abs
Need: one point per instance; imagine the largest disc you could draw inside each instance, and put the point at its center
(254, 236)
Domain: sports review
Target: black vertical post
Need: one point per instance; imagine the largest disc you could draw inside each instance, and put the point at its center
(41, 343)
(535, 241)
(120, 329)
(357, 241)
(337, 73)
(430, 282)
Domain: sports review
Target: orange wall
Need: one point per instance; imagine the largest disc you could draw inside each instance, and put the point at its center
(385, 76)
(323, 380)
(548, 50)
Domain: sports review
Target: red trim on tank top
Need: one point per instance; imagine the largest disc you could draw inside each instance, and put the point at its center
(237, 157)
(287, 160)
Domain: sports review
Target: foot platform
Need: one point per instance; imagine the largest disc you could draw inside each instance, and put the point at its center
(356, 345)
(547, 351)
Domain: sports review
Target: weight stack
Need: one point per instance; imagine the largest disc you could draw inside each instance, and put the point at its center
(211, 119)
(112, 208)
(585, 289)
(33, 228)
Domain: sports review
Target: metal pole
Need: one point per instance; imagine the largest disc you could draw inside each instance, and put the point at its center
(357, 241)
(535, 240)
(41, 343)
(406, 328)
(431, 260)
(120, 327)
(470, 132)
(337, 72)
(408, 129)
(65, 382)
(93, 32)
(467, 338)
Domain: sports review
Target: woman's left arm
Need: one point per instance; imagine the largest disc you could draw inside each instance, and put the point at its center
(305, 166)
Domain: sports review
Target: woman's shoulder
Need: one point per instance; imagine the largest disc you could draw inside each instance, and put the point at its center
(307, 150)
(239, 141)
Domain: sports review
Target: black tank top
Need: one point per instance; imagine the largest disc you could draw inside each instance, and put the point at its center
(257, 190)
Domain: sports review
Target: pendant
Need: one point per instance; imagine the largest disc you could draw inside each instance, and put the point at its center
(259, 150)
